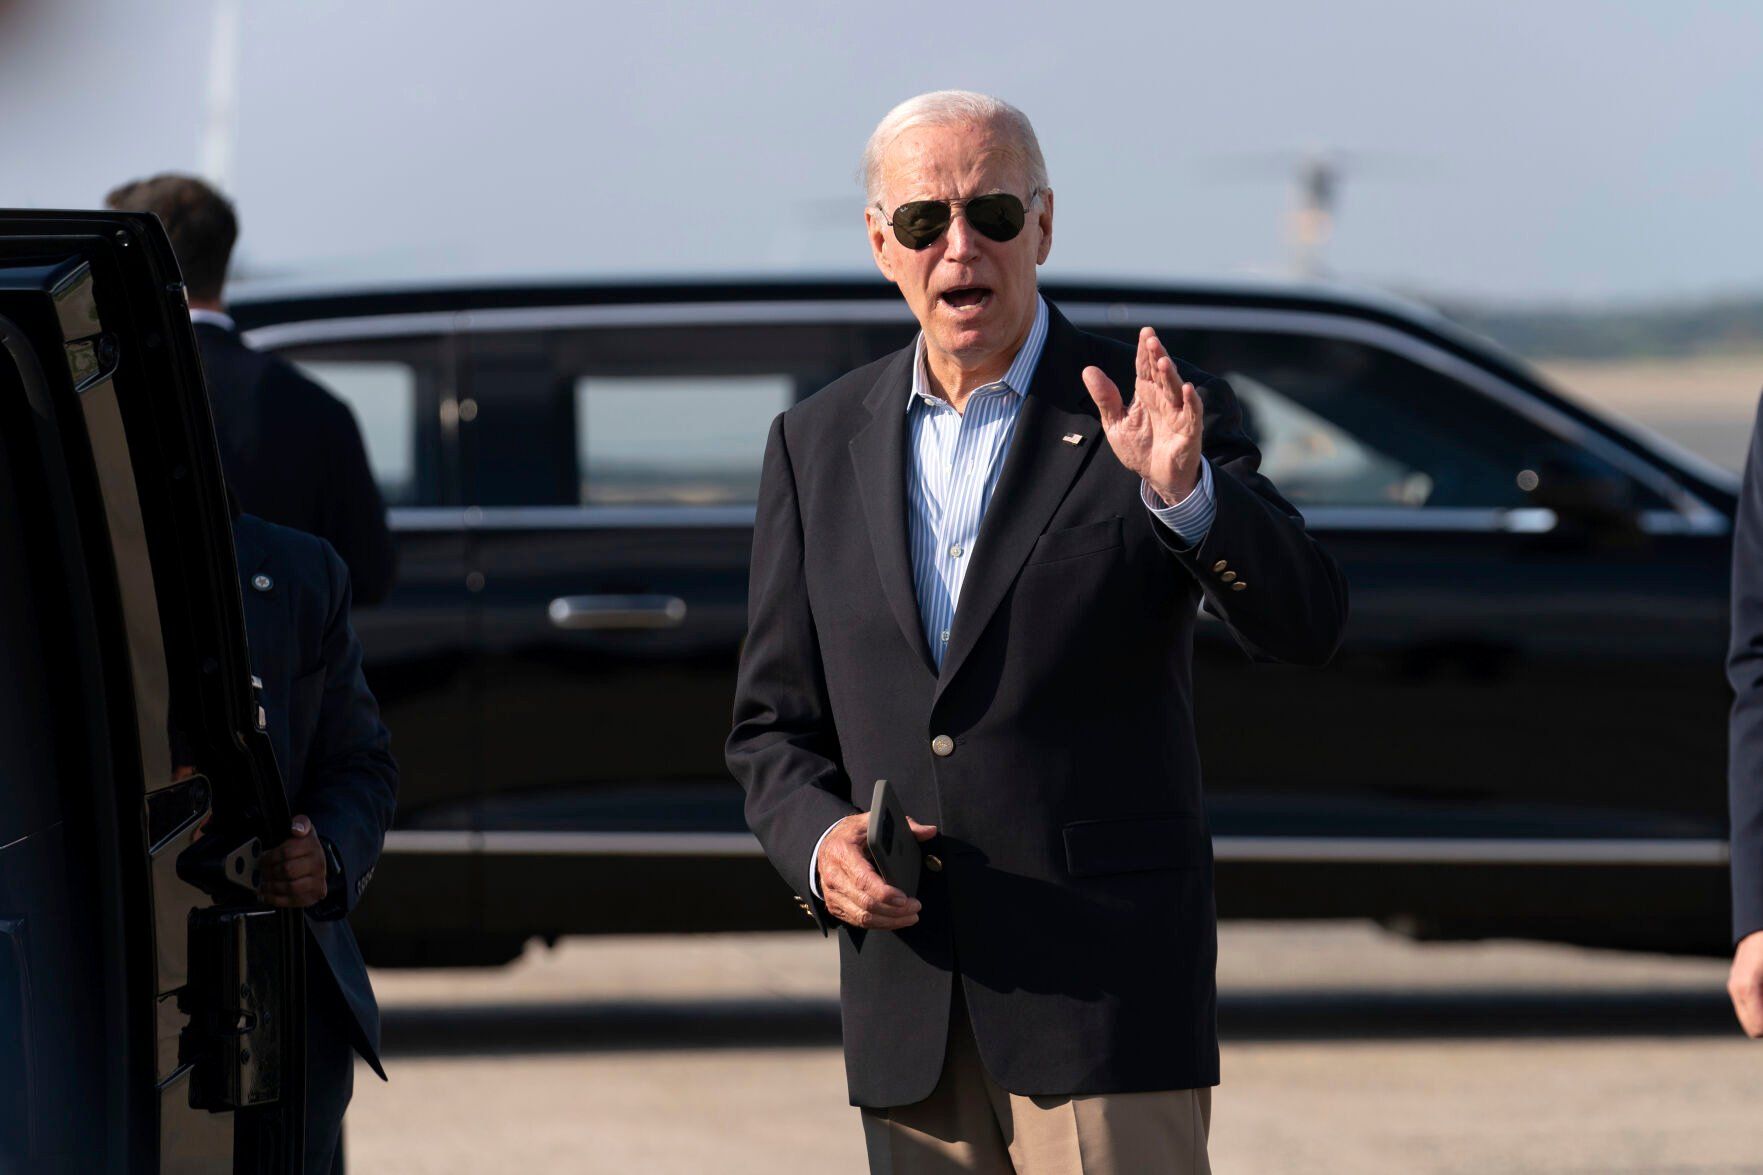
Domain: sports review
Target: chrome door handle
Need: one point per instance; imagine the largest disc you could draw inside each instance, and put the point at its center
(616, 612)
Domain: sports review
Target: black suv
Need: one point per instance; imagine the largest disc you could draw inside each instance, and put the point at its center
(1523, 734)
(150, 1010)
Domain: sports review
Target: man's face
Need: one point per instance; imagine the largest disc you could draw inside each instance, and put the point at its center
(973, 296)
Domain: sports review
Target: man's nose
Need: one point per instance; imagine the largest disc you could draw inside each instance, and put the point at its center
(963, 241)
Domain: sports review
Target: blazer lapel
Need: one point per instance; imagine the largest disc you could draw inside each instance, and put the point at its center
(1038, 469)
(879, 453)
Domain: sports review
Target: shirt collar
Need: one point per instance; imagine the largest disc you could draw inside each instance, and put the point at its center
(1022, 368)
(213, 318)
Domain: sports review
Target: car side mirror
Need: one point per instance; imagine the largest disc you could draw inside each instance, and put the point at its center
(1587, 497)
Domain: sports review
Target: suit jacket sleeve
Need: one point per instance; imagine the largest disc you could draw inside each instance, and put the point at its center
(1744, 669)
(351, 786)
(783, 749)
(354, 512)
(1294, 607)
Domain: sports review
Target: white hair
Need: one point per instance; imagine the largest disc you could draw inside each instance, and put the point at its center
(954, 108)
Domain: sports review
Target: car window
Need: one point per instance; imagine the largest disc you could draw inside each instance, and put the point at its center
(648, 415)
(382, 394)
(678, 440)
(1345, 423)
(394, 389)
(1313, 460)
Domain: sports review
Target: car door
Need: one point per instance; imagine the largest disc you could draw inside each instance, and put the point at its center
(614, 466)
(1537, 612)
(151, 1012)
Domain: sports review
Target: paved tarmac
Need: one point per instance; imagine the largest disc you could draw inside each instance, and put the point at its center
(1345, 1050)
(1704, 404)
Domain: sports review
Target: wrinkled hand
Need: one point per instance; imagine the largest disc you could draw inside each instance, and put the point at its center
(1159, 437)
(849, 884)
(1745, 984)
(293, 871)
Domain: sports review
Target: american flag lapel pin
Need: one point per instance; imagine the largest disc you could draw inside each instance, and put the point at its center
(1073, 438)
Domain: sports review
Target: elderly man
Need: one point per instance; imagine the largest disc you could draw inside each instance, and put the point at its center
(976, 571)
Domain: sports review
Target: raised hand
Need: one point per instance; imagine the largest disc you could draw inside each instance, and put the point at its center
(1159, 437)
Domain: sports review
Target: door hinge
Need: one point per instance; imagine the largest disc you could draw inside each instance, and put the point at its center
(234, 999)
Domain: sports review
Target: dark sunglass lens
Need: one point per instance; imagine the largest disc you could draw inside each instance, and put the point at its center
(919, 223)
(998, 216)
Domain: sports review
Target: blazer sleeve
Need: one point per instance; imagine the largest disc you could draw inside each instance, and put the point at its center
(1744, 670)
(783, 749)
(1287, 600)
(354, 512)
(351, 786)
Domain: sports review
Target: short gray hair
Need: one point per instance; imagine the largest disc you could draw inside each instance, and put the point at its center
(953, 108)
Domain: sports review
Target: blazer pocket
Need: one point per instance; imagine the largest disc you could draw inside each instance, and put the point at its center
(1076, 540)
(1135, 844)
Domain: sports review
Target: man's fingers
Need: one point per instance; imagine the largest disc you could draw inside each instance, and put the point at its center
(1192, 405)
(295, 870)
(1106, 395)
(871, 890)
(921, 831)
(1747, 1003)
(292, 866)
(853, 874)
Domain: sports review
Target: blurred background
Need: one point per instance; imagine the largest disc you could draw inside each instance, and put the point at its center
(1579, 181)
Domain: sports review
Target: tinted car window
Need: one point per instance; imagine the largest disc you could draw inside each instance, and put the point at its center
(1344, 423)
(690, 441)
(382, 393)
(667, 415)
(394, 388)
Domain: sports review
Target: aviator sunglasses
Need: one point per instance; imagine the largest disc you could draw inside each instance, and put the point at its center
(917, 224)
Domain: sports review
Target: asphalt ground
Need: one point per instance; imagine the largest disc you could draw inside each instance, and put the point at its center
(1345, 1049)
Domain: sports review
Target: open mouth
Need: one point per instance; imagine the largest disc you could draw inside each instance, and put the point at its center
(967, 297)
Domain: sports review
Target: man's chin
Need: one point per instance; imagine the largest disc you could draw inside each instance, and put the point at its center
(968, 340)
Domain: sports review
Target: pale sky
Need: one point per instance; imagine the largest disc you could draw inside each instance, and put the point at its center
(1584, 150)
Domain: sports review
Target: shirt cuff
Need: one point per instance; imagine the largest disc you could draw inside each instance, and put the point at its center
(1191, 518)
(814, 861)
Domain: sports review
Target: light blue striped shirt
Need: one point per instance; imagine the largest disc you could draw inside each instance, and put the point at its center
(953, 463)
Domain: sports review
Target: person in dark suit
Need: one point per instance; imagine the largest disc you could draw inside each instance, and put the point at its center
(291, 450)
(342, 782)
(976, 569)
(1744, 669)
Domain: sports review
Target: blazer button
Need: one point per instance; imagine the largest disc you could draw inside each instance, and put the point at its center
(1229, 577)
(1238, 586)
(943, 745)
(933, 862)
(1221, 565)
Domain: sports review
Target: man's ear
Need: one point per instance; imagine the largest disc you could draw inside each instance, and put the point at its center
(878, 241)
(1045, 216)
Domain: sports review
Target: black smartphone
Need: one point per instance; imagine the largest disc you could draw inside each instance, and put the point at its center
(892, 847)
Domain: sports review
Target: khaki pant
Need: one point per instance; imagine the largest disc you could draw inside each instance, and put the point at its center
(969, 1124)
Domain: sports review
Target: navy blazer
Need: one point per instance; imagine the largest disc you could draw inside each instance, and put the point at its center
(1054, 749)
(293, 454)
(333, 750)
(1744, 669)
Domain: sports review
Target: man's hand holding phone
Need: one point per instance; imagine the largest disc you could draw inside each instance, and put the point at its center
(849, 884)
